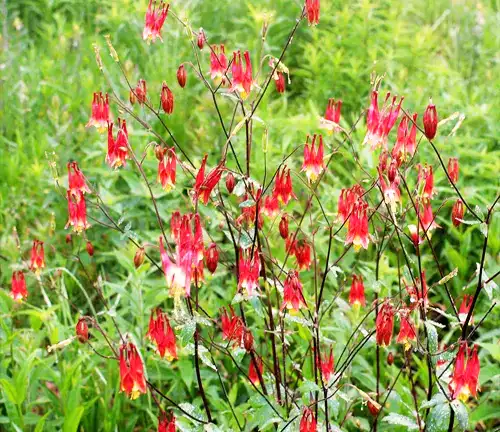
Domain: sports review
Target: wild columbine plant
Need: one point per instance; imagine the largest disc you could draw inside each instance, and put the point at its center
(274, 249)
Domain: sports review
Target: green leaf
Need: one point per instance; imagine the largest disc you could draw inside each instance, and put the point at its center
(461, 414)
(72, 420)
(433, 337)
(401, 420)
(9, 390)
(439, 418)
(41, 422)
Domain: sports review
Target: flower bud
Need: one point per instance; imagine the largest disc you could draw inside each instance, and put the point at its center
(393, 170)
(82, 330)
(453, 169)
(68, 238)
(430, 120)
(90, 248)
(212, 257)
(280, 82)
(230, 182)
(167, 99)
(390, 358)
(373, 408)
(181, 76)
(139, 257)
(283, 226)
(248, 340)
(132, 97)
(201, 39)
(457, 214)
(159, 150)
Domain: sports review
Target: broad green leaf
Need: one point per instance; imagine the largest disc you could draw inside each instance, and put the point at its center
(72, 419)
(401, 420)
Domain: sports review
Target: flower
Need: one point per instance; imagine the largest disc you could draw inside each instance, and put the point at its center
(426, 218)
(457, 213)
(249, 212)
(357, 232)
(406, 331)
(201, 39)
(37, 262)
(212, 257)
(242, 78)
(308, 421)
(283, 188)
(252, 372)
(411, 139)
(249, 271)
(293, 297)
(430, 120)
(230, 182)
(167, 98)
(218, 64)
(326, 365)
(100, 112)
(117, 149)
(399, 149)
(18, 290)
(77, 211)
(312, 11)
(182, 76)
(464, 381)
(167, 167)
(161, 334)
(453, 169)
(155, 17)
(247, 340)
(313, 158)
(279, 81)
(76, 179)
(331, 119)
(204, 185)
(302, 251)
(166, 423)
(426, 181)
(384, 324)
(82, 330)
(357, 293)
(347, 199)
(283, 227)
(464, 308)
(177, 274)
(380, 122)
(271, 206)
(232, 327)
(141, 92)
(390, 191)
(132, 380)
(418, 292)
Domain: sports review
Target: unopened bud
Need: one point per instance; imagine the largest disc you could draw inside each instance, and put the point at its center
(283, 227)
(167, 99)
(159, 151)
(430, 120)
(201, 39)
(139, 257)
(90, 248)
(68, 238)
(132, 97)
(390, 358)
(230, 182)
(181, 76)
(393, 170)
(212, 257)
(248, 340)
(82, 330)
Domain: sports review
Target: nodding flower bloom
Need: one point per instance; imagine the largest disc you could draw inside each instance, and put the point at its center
(406, 331)
(132, 380)
(390, 189)
(347, 199)
(218, 64)
(167, 98)
(201, 39)
(312, 10)
(249, 269)
(331, 119)
(430, 120)
(357, 232)
(100, 112)
(293, 297)
(230, 182)
(177, 274)
(166, 423)
(308, 421)
(18, 290)
(326, 364)
(155, 17)
(175, 225)
(426, 218)
(117, 149)
(466, 373)
(411, 138)
(204, 186)
(380, 123)
(232, 327)
(464, 308)
(384, 324)
(453, 169)
(418, 292)
(313, 158)
(283, 188)
(271, 206)
(302, 251)
(252, 372)
(167, 167)
(182, 76)
(283, 227)
(242, 80)
(76, 179)
(357, 293)
(249, 213)
(77, 211)
(212, 257)
(82, 330)
(279, 81)
(37, 262)
(141, 92)
(426, 181)
(406, 141)
(161, 334)
(457, 213)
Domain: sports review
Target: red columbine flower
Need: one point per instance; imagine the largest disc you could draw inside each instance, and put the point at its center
(175, 225)
(166, 423)
(230, 182)
(177, 274)
(155, 17)
(77, 211)
(466, 373)
(331, 119)
(18, 289)
(167, 169)
(465, 306)
(271, 206)
(279, 81)
(453, 169)
(252, 372)
(407, 330)
(100, 112)
(181, 76)
(37, 262)
(347, 199)
(293, 297)
(201, 39)
(283, 188)
(82, 330)
(117, 149)
(249, 271)
(312, 10)
(167, 99)
(380, 123)
(248, 213)
(326, 365)
(218, 64)
(357, 293)
(302, 251)
(430, 120)
(411, 140)
(242, 80)
(76, 179)
(399, 149)
(415, 292)
(212, 257)
(384, 324)
(308, 421)
(426, 181)
(283, 227)
(426, 223)
(357, 232)
(232, 327)
(313, 158)
(204, 185)
(141, 92)
(457, 213)
(132, 380)
(161, 334)
(390, 190)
